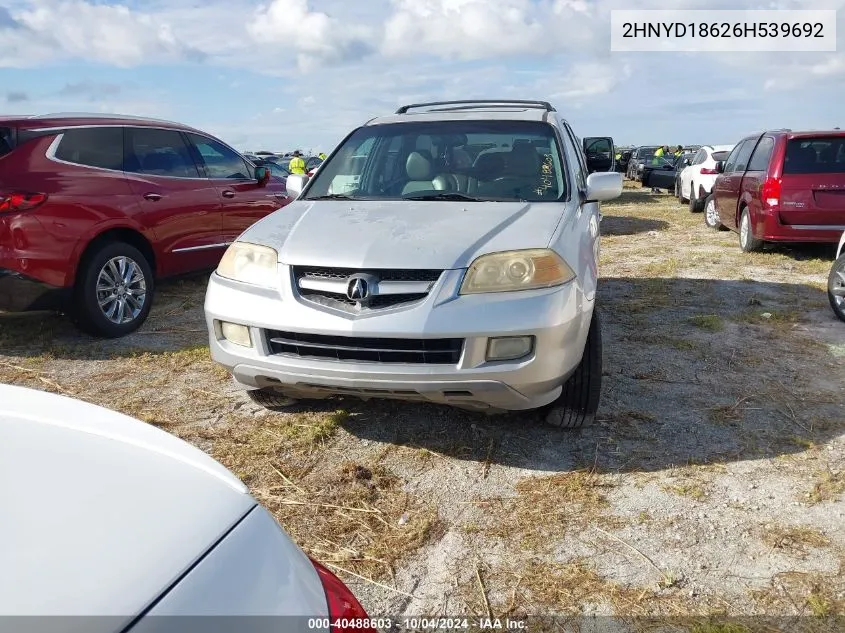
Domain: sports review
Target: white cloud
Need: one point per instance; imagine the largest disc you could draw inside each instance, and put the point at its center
(113, 35)
(477, 29)
(312, 37)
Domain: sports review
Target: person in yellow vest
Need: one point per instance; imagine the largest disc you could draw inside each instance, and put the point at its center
(679, 150)
(321, 156)
(659, 153)
(297, 164)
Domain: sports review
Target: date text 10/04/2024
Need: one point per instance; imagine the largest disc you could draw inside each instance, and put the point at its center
(421, 624)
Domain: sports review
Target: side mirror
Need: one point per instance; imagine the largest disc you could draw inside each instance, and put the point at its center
(720, 167)
(295, 183)
(603, 186)
(262, 175)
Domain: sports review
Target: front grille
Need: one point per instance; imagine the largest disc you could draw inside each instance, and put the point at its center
(439, 351)
(386, 274)
(339, 300)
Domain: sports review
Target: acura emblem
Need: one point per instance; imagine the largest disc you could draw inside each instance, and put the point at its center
(357, 289)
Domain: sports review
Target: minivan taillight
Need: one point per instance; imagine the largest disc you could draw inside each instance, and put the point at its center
(770, 193)
(343, 606)
(21, 201)
(706, 171)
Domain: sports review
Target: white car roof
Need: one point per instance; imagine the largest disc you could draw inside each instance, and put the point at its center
(721, 148)
(476, 114)
(101, 512)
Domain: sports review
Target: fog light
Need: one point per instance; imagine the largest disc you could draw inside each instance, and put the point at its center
(509, 347)
(237, 334)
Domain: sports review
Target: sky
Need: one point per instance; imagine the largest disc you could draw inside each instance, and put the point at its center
(288, 74)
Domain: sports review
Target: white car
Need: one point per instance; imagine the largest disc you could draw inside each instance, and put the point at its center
(836, 281)
(445, 253)
(104, 515)
(696, 180)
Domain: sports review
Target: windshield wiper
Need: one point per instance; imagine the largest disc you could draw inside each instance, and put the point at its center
(444, 196)
(334, 196)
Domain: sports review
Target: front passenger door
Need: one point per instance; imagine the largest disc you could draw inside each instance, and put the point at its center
(243, 199)
(600, 153)
(726, 188)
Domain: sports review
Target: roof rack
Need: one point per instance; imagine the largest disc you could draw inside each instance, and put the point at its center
(470, 104)
(96, 115)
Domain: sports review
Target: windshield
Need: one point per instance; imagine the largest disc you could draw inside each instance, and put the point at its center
(815, 156)
(445, 160)
(646, 152)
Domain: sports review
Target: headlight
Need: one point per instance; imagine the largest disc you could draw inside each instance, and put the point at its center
(251, 264)
(516, 270)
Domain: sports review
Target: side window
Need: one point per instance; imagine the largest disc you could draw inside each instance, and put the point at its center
(158, 152)
(94, 147)
(220, 161)
(580, 162)
(760, 158)
(731, 161)
(700, 157)
(744, 154)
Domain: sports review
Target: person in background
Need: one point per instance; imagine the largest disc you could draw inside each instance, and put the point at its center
(297, 164)
(659, 153)
(679, 150)
(321, 156)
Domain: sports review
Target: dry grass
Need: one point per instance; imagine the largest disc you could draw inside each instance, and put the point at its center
(348, 514)
(795, 539)
(546, 506)
(828, 486)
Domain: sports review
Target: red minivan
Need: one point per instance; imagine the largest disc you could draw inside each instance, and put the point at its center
(781, 186)
(94, 208)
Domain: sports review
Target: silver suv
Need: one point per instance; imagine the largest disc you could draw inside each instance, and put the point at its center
(447, 253)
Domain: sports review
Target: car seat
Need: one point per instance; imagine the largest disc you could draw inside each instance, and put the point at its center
(419, 168)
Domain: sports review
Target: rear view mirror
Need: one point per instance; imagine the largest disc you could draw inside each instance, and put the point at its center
(295, 184)
(262, 175)
(603, 186)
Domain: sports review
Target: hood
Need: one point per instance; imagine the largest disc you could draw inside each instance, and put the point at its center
(101, 512)
(406, 234)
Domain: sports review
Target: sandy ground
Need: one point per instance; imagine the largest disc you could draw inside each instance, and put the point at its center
(711, 485)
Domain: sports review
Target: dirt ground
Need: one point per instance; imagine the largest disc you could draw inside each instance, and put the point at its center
(711, 485)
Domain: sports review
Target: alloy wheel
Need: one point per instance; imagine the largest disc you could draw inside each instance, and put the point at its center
(837, 290)
(710, 210)
(121, 290)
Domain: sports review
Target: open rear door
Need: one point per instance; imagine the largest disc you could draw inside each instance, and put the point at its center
(601, 154)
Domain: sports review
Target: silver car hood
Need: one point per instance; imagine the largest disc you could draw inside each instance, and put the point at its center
(402, 234)
(101, 512)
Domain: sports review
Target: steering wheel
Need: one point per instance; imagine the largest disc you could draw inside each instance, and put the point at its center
(391, 183)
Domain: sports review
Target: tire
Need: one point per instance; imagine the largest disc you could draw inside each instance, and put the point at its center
(695, 205)
(270, 399)
(747, 242)
(836, 287)
(99, 269)
(711, 216)
(579, 400)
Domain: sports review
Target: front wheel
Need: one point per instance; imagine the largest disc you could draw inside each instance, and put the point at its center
(579, 400)
(836, 287)
(747, 242)
(114, 291)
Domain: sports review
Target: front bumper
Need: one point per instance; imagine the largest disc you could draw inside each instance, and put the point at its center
(19, 293)
(558, 318)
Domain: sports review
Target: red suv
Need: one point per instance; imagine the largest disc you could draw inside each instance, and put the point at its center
(94, 208)
(781, 186)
